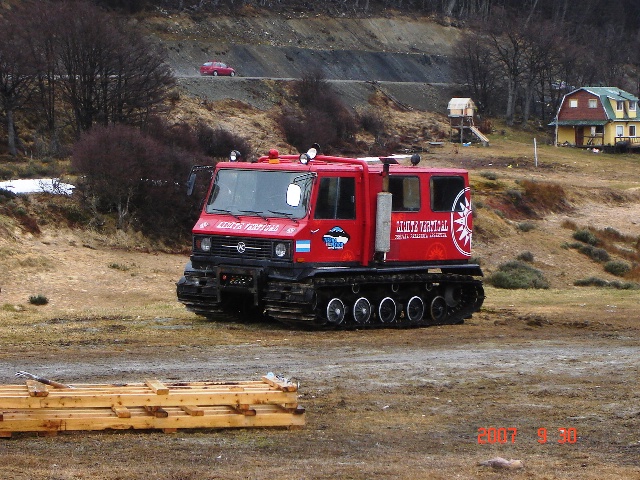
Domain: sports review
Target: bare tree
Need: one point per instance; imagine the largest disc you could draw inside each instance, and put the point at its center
(16, 76)
(478, 69)
(508, 44)
(110, 73)
(540, 41)
(40, 27)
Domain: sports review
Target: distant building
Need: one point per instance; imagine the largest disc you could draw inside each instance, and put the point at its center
(461, 119)
(598, 117)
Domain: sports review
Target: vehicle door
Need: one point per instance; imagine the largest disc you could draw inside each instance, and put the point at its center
(336, 220)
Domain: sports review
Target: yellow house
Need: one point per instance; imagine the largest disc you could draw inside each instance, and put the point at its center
(604, 117)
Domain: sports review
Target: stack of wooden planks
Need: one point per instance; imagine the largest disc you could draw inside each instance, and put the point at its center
(36, 407)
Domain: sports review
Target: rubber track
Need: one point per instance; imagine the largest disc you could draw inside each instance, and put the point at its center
(288, 302)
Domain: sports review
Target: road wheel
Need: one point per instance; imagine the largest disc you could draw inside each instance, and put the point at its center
(387, 310)
(215, 73)
(438, 309)
(233, 74)
(335, 311)
(361, 310)
(415, 309)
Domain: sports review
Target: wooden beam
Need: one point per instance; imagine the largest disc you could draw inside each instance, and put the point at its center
(37, 389)
(121, 412)
(193, 410)
(157, 386)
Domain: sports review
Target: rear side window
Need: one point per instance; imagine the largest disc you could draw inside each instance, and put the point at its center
(406, 193)
(336, 198)
(444, 191)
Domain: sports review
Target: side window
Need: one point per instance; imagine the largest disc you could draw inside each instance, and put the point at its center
(444, 191)
(336, 198)
(406, 193)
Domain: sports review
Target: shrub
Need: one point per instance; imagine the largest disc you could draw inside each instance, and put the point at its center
(525, 257)
(586, 236)
(6, 194)
(303, 130)
(526, 226)
(38, 300)
(597, 254)
(138, 177)
(599, 282)
(617, 268)
(324, 119)
(119, 266)
(517, 275)
(489, 175)
(219, 143)
(613, 233)
(372, 122)
(591, 282)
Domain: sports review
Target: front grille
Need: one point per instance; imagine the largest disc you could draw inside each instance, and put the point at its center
(250, 247)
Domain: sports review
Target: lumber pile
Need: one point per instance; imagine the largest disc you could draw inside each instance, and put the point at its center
(38, 407)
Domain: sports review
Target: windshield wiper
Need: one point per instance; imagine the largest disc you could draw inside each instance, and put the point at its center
(285, 214)
(222, 210)
(260, 214)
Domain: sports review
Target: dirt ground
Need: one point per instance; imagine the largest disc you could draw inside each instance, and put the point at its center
(380, 404)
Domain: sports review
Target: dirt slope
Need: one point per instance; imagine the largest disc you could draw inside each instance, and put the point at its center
(410, 58)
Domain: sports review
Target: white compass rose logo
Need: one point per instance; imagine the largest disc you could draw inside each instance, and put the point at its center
(461, 223)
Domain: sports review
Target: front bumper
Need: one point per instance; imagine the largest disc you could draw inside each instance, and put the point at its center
(200, 290)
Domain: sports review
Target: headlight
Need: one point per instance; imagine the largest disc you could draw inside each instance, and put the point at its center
(280, 250)
(205, 244)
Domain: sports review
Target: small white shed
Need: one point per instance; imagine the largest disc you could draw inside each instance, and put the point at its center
(461, 107)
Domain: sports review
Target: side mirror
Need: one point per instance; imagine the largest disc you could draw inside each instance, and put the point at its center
(191, 183)
(294, 192)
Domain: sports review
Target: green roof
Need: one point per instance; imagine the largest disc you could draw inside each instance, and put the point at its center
(577, 123)
(613, 93)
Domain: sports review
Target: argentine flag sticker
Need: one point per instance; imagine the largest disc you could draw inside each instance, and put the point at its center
(303, 245)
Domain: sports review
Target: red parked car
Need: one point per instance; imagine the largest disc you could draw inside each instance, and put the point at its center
(216, 68)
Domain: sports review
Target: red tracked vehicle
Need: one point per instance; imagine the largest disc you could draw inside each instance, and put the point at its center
(316, 240)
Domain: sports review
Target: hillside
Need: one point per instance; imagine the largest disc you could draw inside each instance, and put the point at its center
(408, 58)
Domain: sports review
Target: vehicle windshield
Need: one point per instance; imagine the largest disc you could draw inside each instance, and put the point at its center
(258, 193)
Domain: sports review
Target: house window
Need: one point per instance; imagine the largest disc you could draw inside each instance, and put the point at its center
(619, 105)
(619, 130)
(593, 103)
(573, 103)
(632, 130)
(632, 106)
